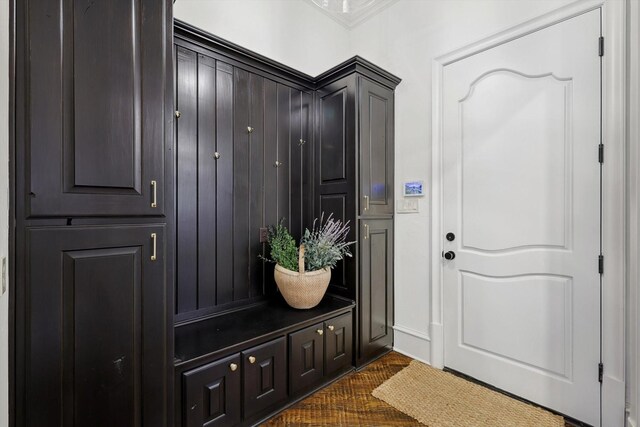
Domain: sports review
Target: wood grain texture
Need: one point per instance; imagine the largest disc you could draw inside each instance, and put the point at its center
(348, 402)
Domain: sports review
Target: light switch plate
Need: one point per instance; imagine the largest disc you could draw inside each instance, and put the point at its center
(410, 205)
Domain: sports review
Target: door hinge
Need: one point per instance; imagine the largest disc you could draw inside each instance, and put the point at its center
(601, 46)
(600, 372)
(600, 264)
(601, 153)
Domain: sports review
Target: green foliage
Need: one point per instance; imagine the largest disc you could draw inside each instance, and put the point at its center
(283, 247)
(325, 244)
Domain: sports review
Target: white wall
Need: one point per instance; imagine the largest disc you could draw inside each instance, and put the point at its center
(4, 207)
(404, 39)
(289, 31)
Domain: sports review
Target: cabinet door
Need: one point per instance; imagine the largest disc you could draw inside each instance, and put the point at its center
(305, 358)
(211, 394)
(338, 344)
(265, 376)
(93, 117)
(335, 168)
(376, 148)
(94, 347)
(376, 288)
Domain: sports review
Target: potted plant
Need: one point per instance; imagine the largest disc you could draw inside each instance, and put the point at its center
(303, 274)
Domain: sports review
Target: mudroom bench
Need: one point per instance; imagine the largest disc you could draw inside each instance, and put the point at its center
(241, 367)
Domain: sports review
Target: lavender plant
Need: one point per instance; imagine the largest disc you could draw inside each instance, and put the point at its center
(326, 243)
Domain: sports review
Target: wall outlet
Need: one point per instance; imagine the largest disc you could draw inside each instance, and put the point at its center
(263, 235)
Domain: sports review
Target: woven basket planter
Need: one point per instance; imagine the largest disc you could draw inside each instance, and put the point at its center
(299, 288)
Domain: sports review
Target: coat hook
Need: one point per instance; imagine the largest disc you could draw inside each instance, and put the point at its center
(216, 155)
(249, 129)
(277, 164)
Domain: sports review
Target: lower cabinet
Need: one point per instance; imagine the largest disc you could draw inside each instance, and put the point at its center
(375, 309)
(265, 376)
(244, 387)
(319, 351)
(212, 394)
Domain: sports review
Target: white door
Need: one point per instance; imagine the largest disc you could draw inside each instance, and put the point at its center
(521, 179)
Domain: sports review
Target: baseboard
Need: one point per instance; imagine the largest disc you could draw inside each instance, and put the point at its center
(412, 343)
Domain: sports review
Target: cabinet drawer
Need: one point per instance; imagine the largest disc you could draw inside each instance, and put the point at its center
(338, 343)
(265, 376)
(306, 357)
(211, 394)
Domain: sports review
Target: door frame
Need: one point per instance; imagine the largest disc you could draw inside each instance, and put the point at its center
(613, 188)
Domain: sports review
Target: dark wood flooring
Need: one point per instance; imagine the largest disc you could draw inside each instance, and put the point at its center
(348, 401)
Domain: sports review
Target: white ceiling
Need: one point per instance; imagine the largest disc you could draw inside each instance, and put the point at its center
(350, 13)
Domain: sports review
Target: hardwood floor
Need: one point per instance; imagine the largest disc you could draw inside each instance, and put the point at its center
(348, 402)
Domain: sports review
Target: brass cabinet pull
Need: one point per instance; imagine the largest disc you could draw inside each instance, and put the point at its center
(331, 327)
(154, 197)
(320, 331)
(249, 129)
(233, 366)
(366, 203)
(216, 155)
(366, 231)
(153, 246)
(178, 114)
(252, 359)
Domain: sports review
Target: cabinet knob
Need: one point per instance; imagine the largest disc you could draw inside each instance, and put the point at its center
(252, 359)
(178, 114)
(249, 129)
(320, 331)
(233, 366)
(216, 155)
(302, 142)
(277, 164)
(331, 327)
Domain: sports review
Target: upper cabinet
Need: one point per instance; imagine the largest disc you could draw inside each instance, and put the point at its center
(91, 106)
(376, 148)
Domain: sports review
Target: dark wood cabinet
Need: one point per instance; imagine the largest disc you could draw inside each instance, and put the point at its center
(306, 357)
(338, 344)
(354, 164)
(376, 288)
(92, 202)
(376, 148)
(212, 394)
(91, 107)
(95, 327)
(265, 376)
(320, 351)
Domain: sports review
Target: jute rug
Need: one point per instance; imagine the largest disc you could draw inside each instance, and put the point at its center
(440, 399)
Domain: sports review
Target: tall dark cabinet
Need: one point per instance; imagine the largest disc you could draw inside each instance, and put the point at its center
(354, 182)
(92, 191)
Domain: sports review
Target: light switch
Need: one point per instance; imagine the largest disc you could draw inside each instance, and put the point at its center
(408, 205)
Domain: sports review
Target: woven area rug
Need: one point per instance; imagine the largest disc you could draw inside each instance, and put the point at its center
(440, 399)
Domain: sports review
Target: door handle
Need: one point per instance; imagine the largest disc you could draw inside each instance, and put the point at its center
(154, 196)
(366, 231)
(153, 246)
(366, 203)
(449, 255)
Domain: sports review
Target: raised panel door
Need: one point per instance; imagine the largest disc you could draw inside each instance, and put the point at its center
(376, 148)
(211, 394)
(338, 344)
(95, 342)
(376, 288)
(93, 117)
(265, 376)
(306, 355)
